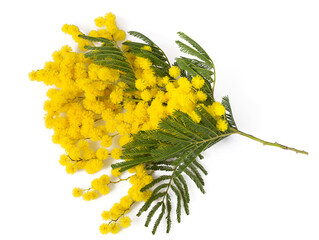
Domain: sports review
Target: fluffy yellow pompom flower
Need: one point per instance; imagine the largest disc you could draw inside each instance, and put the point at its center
(110, 23)
(201, 96)
(110, 126)
(174, 72)
(194, 116)
(116, 153)
(102, 153)
(146, 95)
(116, 172)
(83, 144)
(218, 109)
(104, 74)
(77, 192)
(105, 179)
(106, 215)
(99, 22)
(90, 195)
(126, 202)
(222, 125)
(143, 63)
(125, 222)
(147, 48)
(119, 35)
(116, 96)
(32, 75)
(104, 189)
(165, 80)
(184, 85)
(75, 32)
(106, 141)
(198, 82)
(140, 84)
(102, 33)
(114, 228)
(116, 211)
(93, 166)
(104, 228)
(70, 168)
(125, 139)
(63, 159)
(96, 184)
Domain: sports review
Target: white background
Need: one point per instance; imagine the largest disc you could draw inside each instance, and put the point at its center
(266, 55)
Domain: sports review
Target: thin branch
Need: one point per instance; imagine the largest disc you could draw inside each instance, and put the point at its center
(275, 144)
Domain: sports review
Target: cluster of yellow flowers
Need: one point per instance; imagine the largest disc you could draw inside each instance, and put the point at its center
(90, 112)
(116, 215)
(98, 185)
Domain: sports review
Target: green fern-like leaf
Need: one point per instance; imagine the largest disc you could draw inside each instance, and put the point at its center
(152, 212)
(173, 148)
(194, 44)
(110, 55)
(160, 62)
(229, 113)
(202, 66)
(200, 167)
(136, 46)
(158, 220)
(146, 206)
(168, 217)
(179, 203)
(191, 51)
(142, 37)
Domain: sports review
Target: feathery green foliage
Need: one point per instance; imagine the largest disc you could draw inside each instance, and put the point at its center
(202, 66)
(160, 62)
(174, 148)
(108, 54)
(229, 113)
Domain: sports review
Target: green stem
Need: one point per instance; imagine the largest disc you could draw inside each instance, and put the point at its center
(275, 144)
